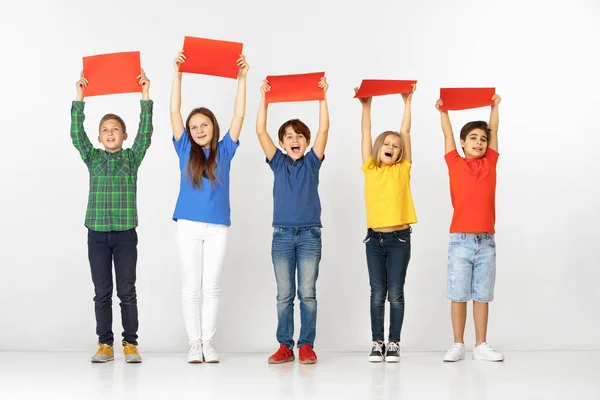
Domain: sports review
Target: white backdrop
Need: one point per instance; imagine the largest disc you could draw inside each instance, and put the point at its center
(541, 56)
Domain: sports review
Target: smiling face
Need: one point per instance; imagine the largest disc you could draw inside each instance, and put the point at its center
(112, 133)
(201, 129)
(294, 138)
(294, 143)
(475, 144)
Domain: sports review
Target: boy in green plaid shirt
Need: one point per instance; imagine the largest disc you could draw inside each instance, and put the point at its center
(111, 216)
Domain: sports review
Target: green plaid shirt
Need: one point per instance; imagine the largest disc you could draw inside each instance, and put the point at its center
(112, 204)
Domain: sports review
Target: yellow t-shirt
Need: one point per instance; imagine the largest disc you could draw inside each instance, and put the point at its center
(387, 194)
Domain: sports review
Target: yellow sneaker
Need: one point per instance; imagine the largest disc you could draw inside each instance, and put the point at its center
(131, 353)
(105, 353)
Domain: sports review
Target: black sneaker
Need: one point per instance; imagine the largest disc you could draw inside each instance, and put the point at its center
(392, 352)
(377, 352)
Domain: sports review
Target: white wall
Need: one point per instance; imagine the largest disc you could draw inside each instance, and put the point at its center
(542, 57)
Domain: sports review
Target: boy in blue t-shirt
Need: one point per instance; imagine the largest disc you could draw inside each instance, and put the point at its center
(297, 225)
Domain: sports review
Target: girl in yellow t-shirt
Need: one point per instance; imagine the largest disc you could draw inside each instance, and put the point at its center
(390, 211)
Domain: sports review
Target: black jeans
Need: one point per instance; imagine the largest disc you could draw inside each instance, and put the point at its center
(388, 255)
(121, 246)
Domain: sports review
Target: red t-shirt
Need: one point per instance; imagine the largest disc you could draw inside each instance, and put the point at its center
(473, 192)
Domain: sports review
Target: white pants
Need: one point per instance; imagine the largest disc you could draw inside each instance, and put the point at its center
(202, 249)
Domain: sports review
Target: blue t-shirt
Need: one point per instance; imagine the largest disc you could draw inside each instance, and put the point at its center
(211, 204)
(296, 201)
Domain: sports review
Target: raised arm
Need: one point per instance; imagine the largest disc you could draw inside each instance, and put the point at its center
(406, 123)
(494, 121)
(239, 108)
(80, 85)
(261, 124)
(144, 135)
(175, 106)
(449, 143)
(78, 136)
(323, 132)
(365, 122)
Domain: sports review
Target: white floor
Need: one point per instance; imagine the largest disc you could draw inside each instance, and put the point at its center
(524, 375)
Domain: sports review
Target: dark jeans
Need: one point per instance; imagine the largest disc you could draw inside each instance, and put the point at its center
(103, 247)
(388, 255)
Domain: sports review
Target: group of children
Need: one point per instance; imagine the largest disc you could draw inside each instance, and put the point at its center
(202, 215)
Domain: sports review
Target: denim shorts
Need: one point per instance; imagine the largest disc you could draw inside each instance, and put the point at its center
(471, 267)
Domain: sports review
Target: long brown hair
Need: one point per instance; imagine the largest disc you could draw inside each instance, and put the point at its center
(198, 166)
(379, 142)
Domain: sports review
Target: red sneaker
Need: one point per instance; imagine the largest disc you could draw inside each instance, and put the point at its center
(307, 354)
(282, 355)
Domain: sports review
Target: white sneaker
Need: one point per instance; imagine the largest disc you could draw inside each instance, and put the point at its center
(195, 353)
(456, 353)
(485, 352)
(210, 354)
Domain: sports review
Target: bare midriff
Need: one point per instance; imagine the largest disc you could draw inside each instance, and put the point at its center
(394, 228)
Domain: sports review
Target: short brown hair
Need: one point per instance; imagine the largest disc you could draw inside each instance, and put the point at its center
(116, 118)
(298, 126)
(470, 126)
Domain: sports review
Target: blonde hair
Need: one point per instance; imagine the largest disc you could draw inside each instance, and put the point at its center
(379, 142)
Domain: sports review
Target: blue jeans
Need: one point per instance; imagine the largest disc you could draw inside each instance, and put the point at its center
(388, 255)
(103, 249)
(296, 249)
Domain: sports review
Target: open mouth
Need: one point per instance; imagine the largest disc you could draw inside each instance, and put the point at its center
(295, 148)
(388, 154)
(110, 140)
(201, 137)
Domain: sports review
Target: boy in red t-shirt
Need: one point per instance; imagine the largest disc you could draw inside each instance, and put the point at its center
(472, 248)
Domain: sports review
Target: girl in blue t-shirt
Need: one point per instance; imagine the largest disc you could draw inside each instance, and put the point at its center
(202, 211)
